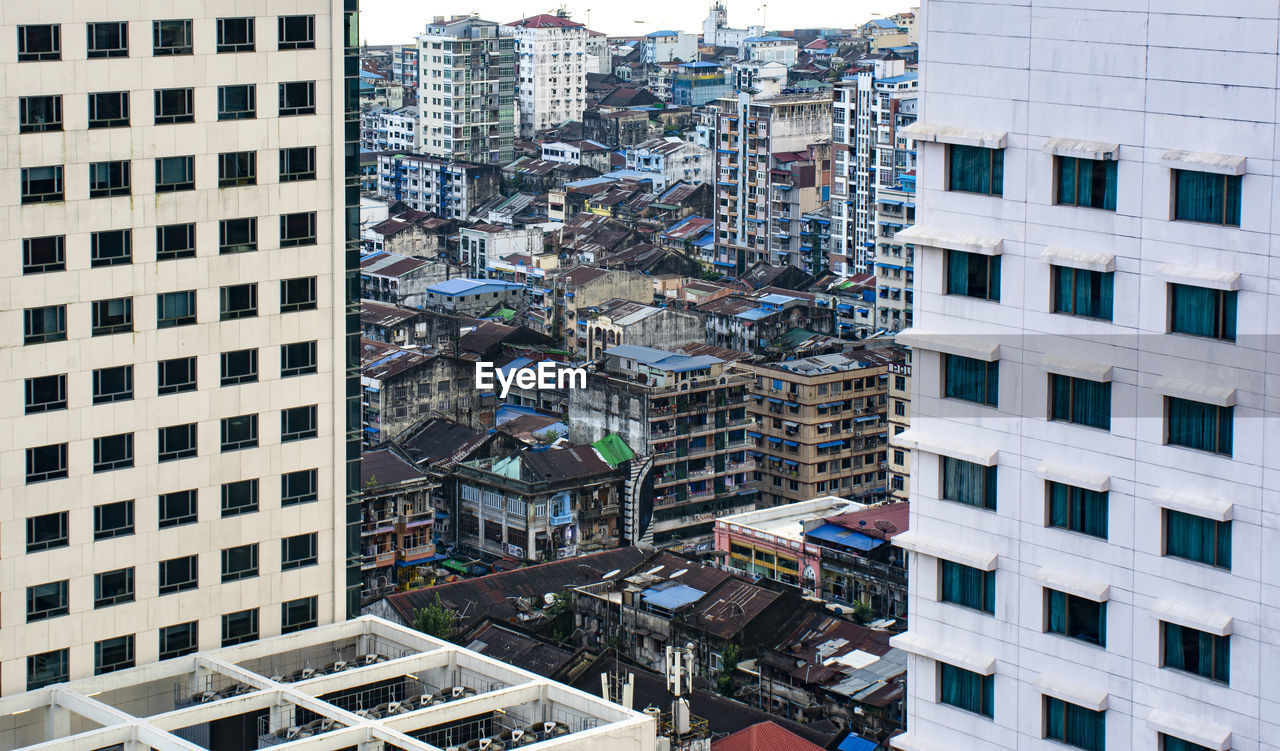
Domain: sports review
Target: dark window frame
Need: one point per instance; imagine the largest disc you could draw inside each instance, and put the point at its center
(288, 36)
(108, 457)
(102, 243)
(165, 27)
(1221, 442)
(994, 172)
(1225, 311)
(164, 315)
(250, 489)
(238, 366)
(977, 283)
(1218, 533)
(113, 315)
(291, 494)
(119, 34)
(170, 235)
(43, 539)
(1068, 412)
(188, 170)
(1095, 632)
(41, 255)
(291, 431)
(169, 570)
(39, 456)
(174, 442)
(243, 228)
(51, 51)
(122, 650)
(1231, 189)
(43, 603)
(989, 393)
(307, 555)
(164, 101)
(170, 647)
(289, 90)
(289, 288)
(116, 181)
(176, 508)
(250, 625)
(245, 35)
(291, 157)
(119, 594)
(50, 189)
(226, 301)
(237, 168)
(119, 377)
(1099, 168)
(288, 352)
(45, 118)
(121, 115)
(163, 386)
(45, 394)
(60, 672)
(250, 567)
(231, 440)
(1192, 641)
(247, 91)
(100, 519)
(298, 229)
(1076, 505)
(289, 620)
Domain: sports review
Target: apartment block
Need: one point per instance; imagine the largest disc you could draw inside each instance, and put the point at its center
(756, 137)
(899, 418)
(397, 521)
(551, 68)
(821, 426)
(466, 91)
(686, 419)
(450, 190)
(175, 434)
(1094, 416)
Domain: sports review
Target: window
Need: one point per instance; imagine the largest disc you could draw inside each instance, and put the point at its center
(46, 462)
(42, 42)
(1202, 312)
(174, 106)
(297, 423)
(297, 359)
(46, 601)
(972, 380)
(114, 316)
(296, 552)
(178, 508)
(175, 309)
(112, 588)
(1076, 617)
(238, 235)
(171, 37)
(967, 690)
(1170, 743)
(111, 248)
(239, 497)
(973, 169)
(237, 168)
(297, 98)
(239, 563)
(297, 615)
(298, 487)
(113, 520)
(177, 442)
(174, 173)
(178, 575)
(113, 384)
(41, 184)
(47, 668)
(239, 102)
(298, 294)
(1185, 648)
(109, 109)
(1080, 401)
(966, 482)
(1090, 183)
(1077, 509)
(1075, 725)
(44, 254)
(110, 655)
(108, 39)
(46, 394)
(175, 241)
(239, 301)
(239, 432)
(39, 114)
(967, 586)
(47, 532)
(239, 366)
(113, 452)
(1081, 292)
(108, 179)
(298, 164)
(973, 275)
(176, 376)
(235, 35)
(179, 640)
(1196, 538)
(1197, 425)
(298, 229)
(296, 33)
(1206, 197)
(238, 628)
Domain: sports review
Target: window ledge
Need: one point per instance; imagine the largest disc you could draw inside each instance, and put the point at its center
(1063, 581)
(1082, 149)
(952, 344)
(936, 133)
(913, 439)
(1201, 161)
(1068, 366)
(1085, 696)
(942, 651)
(1196, 391)
(933, 547)
(1196, 504)
(1213, 622)
(947, 240)
(1081, 478)
(1198, 276)
(1189, 727)
(1079, 259)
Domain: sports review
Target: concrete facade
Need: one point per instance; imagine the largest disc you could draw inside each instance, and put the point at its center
(466, 95)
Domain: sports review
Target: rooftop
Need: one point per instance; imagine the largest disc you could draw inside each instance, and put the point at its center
(362, 682)
(864, 357)
(764, 736)
(545, 21)
(788, 521)
(455, 287)
(672, 362)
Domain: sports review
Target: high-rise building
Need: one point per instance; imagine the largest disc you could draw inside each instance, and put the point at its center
(179, 428)
(1094, 411)
(893, 108)
(551, 67)
(466, 94)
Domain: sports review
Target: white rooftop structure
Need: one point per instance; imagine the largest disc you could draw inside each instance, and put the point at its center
(788, 521)
(364, 683)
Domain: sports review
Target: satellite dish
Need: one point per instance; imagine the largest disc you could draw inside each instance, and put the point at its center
(549, 598)
(679, 573)
(611, 574)
(886, 526)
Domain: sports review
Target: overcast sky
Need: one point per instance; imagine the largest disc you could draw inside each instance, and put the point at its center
(399, 21)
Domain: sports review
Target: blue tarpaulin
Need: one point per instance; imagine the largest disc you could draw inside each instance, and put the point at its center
(854, 742)
(671, 598)
(845, 537)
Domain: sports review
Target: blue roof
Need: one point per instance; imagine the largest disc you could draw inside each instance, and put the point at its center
(699, 64)
(883, 23)
(855, 742)
(673, 362)
(663, 33)
(515, 364)
(672, 597)
(776, 299)
(453, 287)
(846, 537)
(370, 74)
(900, 79)
(754, 314)
(770, 39)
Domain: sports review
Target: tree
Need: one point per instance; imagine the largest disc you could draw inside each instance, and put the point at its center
(728, 665)
(559, 618)
(436, 620)
(862, 612)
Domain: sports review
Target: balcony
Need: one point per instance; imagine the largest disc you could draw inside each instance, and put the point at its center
(417, 553)
(557, 520)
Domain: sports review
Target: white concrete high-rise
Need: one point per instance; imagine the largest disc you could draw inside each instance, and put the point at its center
(179, 236)
(466, 99)
(551, 66)
(1096, 474)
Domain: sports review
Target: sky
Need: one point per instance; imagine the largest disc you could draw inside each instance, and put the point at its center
(400, 21)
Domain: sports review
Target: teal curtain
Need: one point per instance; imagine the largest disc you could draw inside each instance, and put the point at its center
(966, 690)
(1109, 186)
(972, 380)
(1081, 401)
(1206, 197)
(973, 169)
(1197, 538)
(1170, 743)
(1078, 509)
(973, 275)
(1196, 425)
(964, 585)
(957, 272)
(1087, 182)
(1075, 725)
(1196, 652)
(969, 483)
(1083, 293)
(1203, 312)
(997, 171)
(1057, 607)
(1066, 180)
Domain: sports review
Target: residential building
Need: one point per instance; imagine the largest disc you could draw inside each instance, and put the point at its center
(751, 132)
(365, 683)
(767, 78)
(755, 323)
(552, 85)
(587, 153)
(893, 108)
(393, 278)
(770, 49)
(474, 297)
(628, 322)
(168, 366)
(409, 232)
(670, 160)
(899, 415)
(582, 287)
(799, 185)
(396, 521)
(482, 244)
(770, 542)
(821, 426)
(540, 504)
(466, 94)
(450, 190)
(617, 129)
(384, 129)
(716, 31)
(392, 324)
(670, 46)
(404, 65)
(1091, 337)
(696, 84)
(686, 417)
(400, 386)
